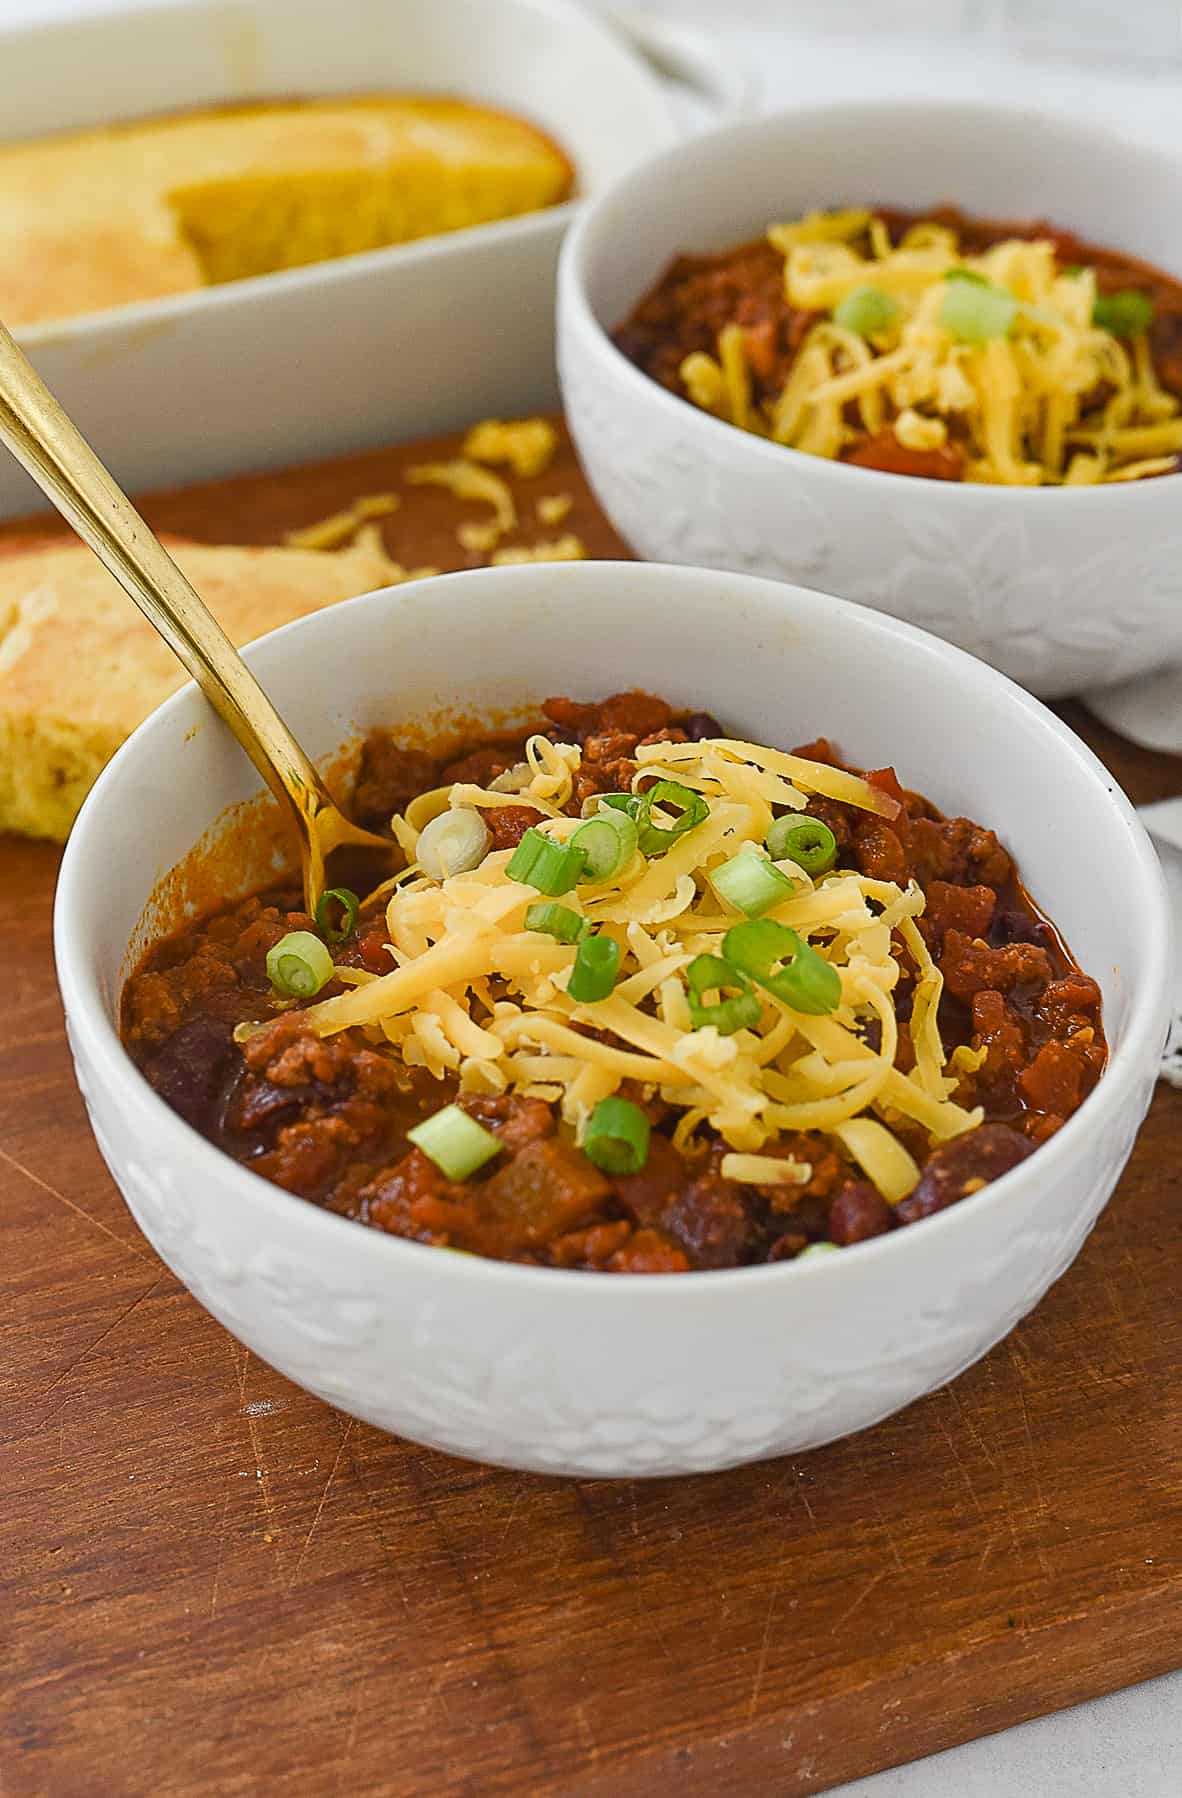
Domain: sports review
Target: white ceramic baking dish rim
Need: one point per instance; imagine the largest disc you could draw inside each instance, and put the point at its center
(659, 50)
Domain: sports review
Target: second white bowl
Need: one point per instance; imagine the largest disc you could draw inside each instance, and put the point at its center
(1062, 588)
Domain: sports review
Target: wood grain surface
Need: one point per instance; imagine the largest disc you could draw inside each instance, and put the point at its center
(212, 1583)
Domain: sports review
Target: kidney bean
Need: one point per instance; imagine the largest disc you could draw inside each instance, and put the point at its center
(1010, 926)
(962, 1167)
(700, 725)
(191, 1065)
(857, 1213)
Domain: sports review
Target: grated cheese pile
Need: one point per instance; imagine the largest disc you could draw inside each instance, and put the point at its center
(476, 996)
(1051, 399)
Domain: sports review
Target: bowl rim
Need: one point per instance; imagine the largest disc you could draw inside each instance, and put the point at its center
(90, 1023)
(577, 249)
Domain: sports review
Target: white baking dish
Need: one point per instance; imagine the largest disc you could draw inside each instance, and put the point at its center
(342, 355)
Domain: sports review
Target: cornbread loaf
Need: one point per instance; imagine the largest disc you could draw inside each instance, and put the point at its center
(98, 218)
(80, 668)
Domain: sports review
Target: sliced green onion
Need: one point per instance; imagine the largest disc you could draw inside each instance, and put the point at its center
(783, 964)
(620, 802)
(866, 311)
(594, 973)
(710, 974)
(350, 905)
(299, 965)
(617, 1137)
(455, 842)
(806, 841)
(686, 808)
(608, 843)
(751, 884)
(1126, 314)
(557, 921)
(819, 1248)
(974, 310)
(546, 865)
(455, 1142)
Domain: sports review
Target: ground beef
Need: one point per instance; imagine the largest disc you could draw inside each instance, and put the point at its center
(884, 451)
(959, 852)
(389, 778)
(508, 823)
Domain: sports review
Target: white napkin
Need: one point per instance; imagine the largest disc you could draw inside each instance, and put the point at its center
(1148, 710)
(1163, 821)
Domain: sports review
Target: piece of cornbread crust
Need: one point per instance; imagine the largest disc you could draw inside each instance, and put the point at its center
(80, 668)
(100, 218)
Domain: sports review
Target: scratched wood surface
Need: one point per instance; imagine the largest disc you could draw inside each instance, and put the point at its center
(212, 1583)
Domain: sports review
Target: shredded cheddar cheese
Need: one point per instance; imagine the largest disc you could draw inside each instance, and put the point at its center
(472, 993)
(1031, 391)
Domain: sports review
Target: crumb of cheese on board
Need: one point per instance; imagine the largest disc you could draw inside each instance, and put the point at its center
(467, 480)
(339, 527)
(560, 549)
(526, 444)
(552, 508)
(479, 538)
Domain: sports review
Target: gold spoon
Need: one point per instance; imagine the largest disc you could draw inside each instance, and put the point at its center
(51, 448)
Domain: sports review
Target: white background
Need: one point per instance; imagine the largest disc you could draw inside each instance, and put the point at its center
(1123, 63)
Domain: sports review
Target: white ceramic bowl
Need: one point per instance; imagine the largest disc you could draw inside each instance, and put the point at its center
(1062, 588)
(584, 1373)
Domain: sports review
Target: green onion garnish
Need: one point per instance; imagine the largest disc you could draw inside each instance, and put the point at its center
(556, 921)
(866, 311)
(818, 1248)
(751, 884)
(350, 905)
(617, 1137)
(784, 965)
(299, 965)
(681, 805)
(806, 841)
(710, 974)
(455, 1142)
(594, 973)
(546, 865)
(621, 802)
(1126, 314)
(608, 843)
(974, 310)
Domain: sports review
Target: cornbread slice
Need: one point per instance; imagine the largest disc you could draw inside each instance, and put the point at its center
(99, 218)
(80, 668)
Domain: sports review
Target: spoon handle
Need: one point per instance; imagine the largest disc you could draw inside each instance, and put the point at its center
(54, 452)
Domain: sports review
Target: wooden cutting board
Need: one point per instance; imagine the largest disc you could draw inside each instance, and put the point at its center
(212, 1583)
